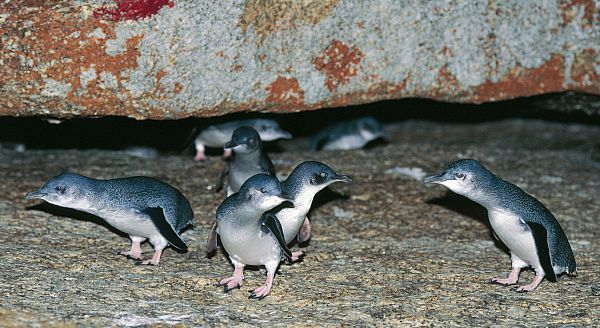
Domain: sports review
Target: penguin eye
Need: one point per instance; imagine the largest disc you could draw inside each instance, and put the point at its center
(323, 175)
(459, 175)
(263, 190)
(59, 189)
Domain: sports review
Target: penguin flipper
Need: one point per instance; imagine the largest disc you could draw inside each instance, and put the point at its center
(304, 233)
(221, 178)
(211, 241)
(270, 224)
(540, 236)
(157, 215)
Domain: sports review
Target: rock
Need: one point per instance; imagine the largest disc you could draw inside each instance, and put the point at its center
(168, 59)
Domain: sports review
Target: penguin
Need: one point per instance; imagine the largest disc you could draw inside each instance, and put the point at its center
(531, 233)
(142, 207)
(249, 233)
(248, 159)
(352, 134)
(217, 135)
(303, 183)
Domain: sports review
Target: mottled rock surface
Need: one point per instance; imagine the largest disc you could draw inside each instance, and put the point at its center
(387, 252)
(174, 59)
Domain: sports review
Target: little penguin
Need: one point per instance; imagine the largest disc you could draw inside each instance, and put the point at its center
(352, 134)
(250, 234)
(305, 181)
(142, 207)
(248, 159)
(531, 233)
(217, 135)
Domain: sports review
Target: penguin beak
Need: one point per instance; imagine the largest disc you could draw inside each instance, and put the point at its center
(37, 194)
(281, 199)
(342, 178)
(230, 144)
(435, 179)
(286, 135)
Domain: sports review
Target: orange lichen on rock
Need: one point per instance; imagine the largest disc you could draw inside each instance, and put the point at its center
(446, 82)
(568, 12)
(583, 72)
(268, 16)
(339, 63)
(58, 50)
(285, 93)
(521, 82)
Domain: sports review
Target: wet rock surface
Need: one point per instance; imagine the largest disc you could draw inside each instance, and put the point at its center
(385, 249)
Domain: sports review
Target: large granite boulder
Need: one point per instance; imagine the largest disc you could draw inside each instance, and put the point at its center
(173, 59)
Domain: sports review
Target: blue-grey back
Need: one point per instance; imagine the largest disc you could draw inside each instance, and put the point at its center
(529, 209)
(141, 192)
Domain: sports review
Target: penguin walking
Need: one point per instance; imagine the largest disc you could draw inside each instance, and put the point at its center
(142, 207)
(248, 159)
(352, 134)
(217, 135)
(249, 235)
(531, 233)
(305, 181)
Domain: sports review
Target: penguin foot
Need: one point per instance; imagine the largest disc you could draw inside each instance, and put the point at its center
(502, 282)
(260, 292)
(529, 287)
(131, 255)
(520, 289)
(230, 283)
(200, 156)
(227, 152)
(155, 258)
(297, 257)
(135, 253)
(148, 262)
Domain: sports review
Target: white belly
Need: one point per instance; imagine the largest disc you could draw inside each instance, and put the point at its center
(346, 142)
(515, 236)
(291, 220)
(249, 247)
(130, 222)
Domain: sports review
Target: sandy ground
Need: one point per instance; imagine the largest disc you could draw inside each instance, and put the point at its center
(385, 251)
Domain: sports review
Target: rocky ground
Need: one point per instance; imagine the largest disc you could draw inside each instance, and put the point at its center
(385, 251)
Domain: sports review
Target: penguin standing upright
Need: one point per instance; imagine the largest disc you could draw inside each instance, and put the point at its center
(531, 233)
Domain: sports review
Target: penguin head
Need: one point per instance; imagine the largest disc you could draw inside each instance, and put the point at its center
(64, 190)
(263, 191)
(314, 175)
(244, 140)
(464, 177)
(269, 130)
(370, 129)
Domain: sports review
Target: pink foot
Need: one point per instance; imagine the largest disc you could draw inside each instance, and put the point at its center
(297, 257)
(200, 156)
(260, 292)
(529, 287)
(227, 152)
(134, 253)
(236, 281)
(512, 278)
(154, 260)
